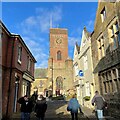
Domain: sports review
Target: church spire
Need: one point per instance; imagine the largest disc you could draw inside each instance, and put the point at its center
(51, 21)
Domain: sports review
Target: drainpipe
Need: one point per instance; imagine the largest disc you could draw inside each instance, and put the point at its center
(9, 90)
(1, 71)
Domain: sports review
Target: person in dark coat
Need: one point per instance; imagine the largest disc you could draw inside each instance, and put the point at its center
(33, 100)
(41, 107)
(26, 107)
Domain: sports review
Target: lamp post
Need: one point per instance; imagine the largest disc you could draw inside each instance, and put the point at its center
(52, 79)
(51, 68)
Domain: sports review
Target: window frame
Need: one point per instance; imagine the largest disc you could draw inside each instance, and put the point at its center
(59, 55)
(114, 35)
(103, 14)
(19, 54)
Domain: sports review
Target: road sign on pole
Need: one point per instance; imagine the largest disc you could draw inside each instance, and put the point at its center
(81, 74)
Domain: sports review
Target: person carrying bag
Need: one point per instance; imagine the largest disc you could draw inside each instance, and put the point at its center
(73, 107)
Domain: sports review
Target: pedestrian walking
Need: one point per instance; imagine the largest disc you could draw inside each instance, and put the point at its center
(73, 107)
(33, 100)
(26, 107)
(98, 101)
(41, 107)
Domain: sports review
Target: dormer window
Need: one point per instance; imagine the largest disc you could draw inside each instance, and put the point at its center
(103, 14)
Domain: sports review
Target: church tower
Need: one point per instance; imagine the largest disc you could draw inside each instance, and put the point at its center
(59, 64)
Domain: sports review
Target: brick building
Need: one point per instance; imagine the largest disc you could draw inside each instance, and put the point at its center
(17, 70)
(106, 54)
(60, 66)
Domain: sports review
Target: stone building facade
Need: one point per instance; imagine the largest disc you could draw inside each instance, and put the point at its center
(76, 77)
(41, 83)
(17, 70)
(84, 79)
(85, 64)
(60, 66)
(106, 54)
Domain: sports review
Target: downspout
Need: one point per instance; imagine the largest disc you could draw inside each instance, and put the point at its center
(9, 90)
(1, 71)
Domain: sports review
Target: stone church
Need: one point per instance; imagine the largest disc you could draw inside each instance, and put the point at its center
(60, 66)
(59, 77)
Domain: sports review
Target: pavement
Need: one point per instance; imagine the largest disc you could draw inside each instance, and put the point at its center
(57, 110)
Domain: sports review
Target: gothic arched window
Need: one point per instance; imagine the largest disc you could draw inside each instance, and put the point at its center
(59, 83)
(59, 57)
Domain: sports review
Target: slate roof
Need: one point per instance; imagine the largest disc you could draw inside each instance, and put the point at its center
(40, 73)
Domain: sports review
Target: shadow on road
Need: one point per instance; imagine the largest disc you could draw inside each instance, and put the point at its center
(56, 110)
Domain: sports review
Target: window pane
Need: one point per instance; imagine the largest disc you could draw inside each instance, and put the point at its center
(115, 27)
(114, 43)
(103, 14)
(19, 53)
(105, 88)
(58, 55)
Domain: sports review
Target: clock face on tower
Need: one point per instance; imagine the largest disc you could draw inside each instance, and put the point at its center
(59, 40)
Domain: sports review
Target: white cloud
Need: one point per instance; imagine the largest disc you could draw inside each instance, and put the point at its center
(34, 27)
(30, 21)
(42, 60)
(42, 64)
(73, 40)
(41, 21)
(45, 15)
(38, 50)
(90, 25)
(31, 43)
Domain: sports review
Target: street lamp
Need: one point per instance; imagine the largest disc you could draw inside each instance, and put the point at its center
(52, 78)
(51, 68)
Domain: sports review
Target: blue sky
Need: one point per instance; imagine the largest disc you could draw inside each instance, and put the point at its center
(31, 20)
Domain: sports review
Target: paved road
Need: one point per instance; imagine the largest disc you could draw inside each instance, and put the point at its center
(57, 111)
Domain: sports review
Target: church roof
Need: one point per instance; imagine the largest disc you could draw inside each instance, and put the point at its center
(68, 58)
(40, 73)
(77, 47)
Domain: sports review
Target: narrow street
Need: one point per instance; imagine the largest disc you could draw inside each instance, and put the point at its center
(57, 111)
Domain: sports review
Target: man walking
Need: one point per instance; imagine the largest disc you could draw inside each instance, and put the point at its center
(26, 107)
(99, 101)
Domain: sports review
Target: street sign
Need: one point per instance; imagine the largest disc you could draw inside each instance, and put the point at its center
(81, 73)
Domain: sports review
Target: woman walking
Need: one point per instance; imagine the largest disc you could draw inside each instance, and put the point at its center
(73, 106)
